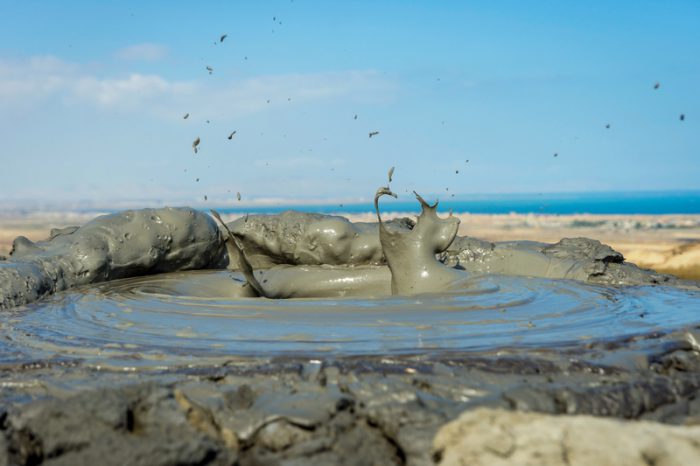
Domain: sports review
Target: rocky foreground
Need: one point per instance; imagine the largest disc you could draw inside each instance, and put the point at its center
(369, 410)
(501, 438)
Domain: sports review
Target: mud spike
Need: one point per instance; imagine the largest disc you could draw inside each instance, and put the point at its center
(384, 190)
(424, 203)
(243, 263)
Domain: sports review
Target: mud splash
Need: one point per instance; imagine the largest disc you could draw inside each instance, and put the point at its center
(415, 304)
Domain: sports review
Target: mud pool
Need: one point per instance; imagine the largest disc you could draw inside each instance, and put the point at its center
(184, 318)
(138, 338)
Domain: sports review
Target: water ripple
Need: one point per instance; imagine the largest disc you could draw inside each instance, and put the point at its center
(168, 319)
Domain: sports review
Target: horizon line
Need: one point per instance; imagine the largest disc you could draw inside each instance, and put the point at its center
(274, 201)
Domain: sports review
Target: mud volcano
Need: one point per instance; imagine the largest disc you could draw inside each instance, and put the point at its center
(154, 337)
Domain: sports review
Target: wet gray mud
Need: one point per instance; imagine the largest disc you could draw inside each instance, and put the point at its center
(130, 243)
(182, 318)
(189, 367)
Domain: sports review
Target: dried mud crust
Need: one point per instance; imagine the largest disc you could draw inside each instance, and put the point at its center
(368, 410)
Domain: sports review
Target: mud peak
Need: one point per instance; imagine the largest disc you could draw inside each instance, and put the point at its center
(410, 254)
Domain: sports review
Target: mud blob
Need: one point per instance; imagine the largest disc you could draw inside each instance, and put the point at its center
(298, 238)
(580, 259)
(127, 244)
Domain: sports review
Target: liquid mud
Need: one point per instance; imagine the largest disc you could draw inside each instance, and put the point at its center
(125, 341)
(188, 318)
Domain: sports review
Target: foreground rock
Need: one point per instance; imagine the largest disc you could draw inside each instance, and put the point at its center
(352, 411)
(503, 438)
(126, 244)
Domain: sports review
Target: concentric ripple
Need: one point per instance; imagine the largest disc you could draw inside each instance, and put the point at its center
(185, 318)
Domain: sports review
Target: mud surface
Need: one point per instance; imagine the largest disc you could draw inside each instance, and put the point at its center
(162, 370)
(191, 368)
(187, 317)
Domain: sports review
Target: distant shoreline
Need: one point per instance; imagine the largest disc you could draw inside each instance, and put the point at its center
(596, 203)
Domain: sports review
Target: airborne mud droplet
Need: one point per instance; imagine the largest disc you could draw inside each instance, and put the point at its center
(195, 144)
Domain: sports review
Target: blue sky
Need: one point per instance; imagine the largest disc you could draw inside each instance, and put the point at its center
(92, 98)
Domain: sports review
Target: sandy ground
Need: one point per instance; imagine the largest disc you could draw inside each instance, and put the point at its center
(35, 226)
(666, 243)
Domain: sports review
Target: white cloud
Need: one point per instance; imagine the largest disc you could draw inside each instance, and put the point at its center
(29, 82)
(125, 92)
(32, 79)
(144, 52)
(251, 95)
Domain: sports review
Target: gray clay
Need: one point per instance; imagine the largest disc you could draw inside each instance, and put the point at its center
(126, 244)
(340, 258)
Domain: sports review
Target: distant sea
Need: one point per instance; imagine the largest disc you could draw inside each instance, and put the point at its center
(623, 203)
(653, 203)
